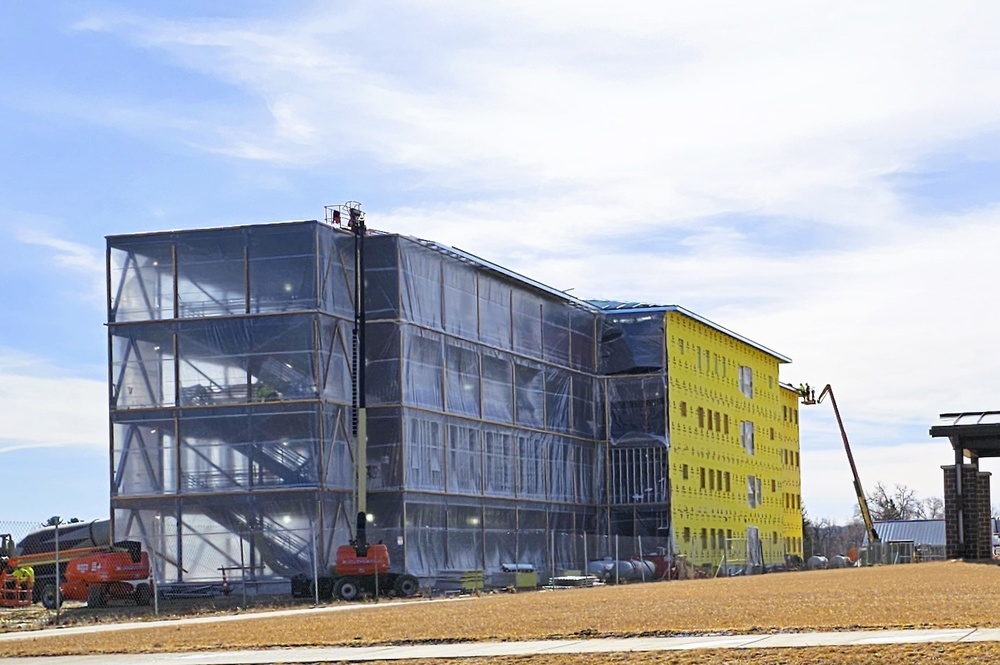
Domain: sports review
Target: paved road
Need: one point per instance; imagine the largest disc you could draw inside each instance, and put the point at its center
(487, 649)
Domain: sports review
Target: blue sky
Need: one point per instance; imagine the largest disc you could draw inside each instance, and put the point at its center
(820, 178)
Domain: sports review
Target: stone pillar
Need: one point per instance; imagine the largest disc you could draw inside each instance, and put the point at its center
(968, 511)
(953, 548)
(984, 530)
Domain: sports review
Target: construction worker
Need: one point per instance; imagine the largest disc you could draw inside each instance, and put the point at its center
(24, 576)
(266, 393)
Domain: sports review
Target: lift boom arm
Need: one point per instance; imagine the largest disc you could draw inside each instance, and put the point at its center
(807, 398)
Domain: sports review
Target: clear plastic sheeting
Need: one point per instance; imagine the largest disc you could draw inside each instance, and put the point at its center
(231, 361)
(222, 451)
(252, 537)
(143, 367)
(141, 279)
(231, 382)
(639, 450)
(632, 343)
(493, 431)
(494, 421)
(144, 456)
(456, 534)
(414, 282)
(225, 272)
(638, 409)
(232, 449)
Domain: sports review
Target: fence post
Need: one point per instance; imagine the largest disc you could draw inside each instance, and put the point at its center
(57, 522)
(315, 557)
(552, 549)
(156, 564)
(642, 564)
(616, 558)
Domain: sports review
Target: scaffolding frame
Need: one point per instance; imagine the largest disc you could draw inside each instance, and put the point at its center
(506, 420)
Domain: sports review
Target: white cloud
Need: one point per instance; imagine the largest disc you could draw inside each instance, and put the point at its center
(73, 257)
(668, 111)
(734, 159)
(42, 407)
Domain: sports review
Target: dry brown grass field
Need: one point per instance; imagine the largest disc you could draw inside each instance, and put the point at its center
(930, 595)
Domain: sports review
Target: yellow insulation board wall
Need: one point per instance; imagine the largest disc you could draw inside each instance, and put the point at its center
(734, 446)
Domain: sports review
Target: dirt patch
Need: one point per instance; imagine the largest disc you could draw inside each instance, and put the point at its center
(931, 595)
(911, 654)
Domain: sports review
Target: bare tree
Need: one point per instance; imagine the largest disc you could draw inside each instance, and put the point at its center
(832, 539)
(900, 504)
(934, 508)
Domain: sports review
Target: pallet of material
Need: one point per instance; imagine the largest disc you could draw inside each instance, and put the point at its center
(515, 580)
(573, 581)
(460, 580)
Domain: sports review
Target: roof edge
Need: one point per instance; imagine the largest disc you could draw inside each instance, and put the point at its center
(711, 324)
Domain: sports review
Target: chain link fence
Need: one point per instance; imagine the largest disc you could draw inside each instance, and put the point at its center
(900, 552)
(17, 611)
(206, 571)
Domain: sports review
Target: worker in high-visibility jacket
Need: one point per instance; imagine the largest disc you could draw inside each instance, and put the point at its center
(24, 576)
(266, 393)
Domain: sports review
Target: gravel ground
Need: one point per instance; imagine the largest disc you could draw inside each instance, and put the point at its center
(929, 595)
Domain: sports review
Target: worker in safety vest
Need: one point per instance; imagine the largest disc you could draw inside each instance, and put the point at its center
(25, 576)
(266, 393)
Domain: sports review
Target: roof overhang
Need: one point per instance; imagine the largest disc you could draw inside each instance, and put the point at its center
(976, 433)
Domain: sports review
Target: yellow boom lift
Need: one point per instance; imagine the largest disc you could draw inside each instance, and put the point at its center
(809, 398)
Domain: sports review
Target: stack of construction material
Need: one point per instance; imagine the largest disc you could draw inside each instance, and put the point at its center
(573, 581)
(460, 580)
(515, 576)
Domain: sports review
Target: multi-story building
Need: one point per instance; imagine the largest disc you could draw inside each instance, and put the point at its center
(726, 480)
(507, 421)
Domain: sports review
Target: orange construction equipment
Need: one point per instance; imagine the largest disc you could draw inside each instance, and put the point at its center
(92, 574)
(116, 573)
(363, 568)
(16, 589)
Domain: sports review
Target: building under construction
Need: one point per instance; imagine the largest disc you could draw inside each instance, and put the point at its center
(507, 422)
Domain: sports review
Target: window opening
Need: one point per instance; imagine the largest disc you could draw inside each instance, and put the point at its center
(746, 381)
(746, 436)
